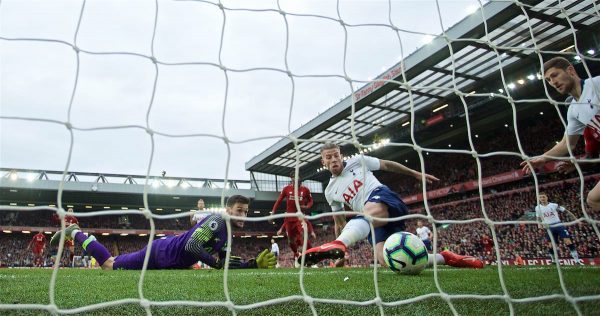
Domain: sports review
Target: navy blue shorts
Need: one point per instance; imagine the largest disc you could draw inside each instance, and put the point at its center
(428, 245)
(558, 231)
(396, 208)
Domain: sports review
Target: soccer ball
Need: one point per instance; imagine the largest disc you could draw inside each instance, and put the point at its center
(405, 253)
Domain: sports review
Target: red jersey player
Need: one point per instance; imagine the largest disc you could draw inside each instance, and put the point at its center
(293, 226)
(488, 245)
(39, 243)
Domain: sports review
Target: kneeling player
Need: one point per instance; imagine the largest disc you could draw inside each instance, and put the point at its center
(353, 184)
(207, 237)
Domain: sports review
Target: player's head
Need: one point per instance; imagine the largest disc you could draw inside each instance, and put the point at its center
(272, 241)
(237, 205)
(200, 204)
(561, 74)
(331, 158)
(543, 198)
(70, 210)
(420, 223)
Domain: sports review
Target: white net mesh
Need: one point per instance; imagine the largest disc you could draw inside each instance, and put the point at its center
(564, 18)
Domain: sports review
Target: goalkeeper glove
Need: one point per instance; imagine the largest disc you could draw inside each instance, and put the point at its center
(266, 260)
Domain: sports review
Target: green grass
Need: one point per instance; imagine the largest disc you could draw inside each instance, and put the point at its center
(76, 288)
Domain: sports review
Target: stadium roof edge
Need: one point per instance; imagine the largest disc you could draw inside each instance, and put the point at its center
(467, 25)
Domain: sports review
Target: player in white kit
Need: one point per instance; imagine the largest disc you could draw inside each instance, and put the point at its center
(547, 213)
(424, 234)
(584, 110)
(353, 185)
(199, 214)
(275, 251)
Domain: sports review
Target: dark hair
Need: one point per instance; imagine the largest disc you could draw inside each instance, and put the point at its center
(237, 199)
(329, 145)
(543, 193)
(557, 62)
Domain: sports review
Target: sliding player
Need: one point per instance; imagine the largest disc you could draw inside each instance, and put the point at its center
(293, 226)
(39, 244)
(584, 110)
(353, 184)
(547, 213)
(207, 237)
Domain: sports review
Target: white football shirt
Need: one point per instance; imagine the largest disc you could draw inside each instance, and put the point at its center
(199, 215)
(354, 185)
(585, 111)
(275, 248)
(549, 213)
(423, 232)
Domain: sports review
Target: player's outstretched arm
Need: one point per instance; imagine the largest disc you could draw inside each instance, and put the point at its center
(392, 166)
(559, 150)
(265, 260)
(571, 216)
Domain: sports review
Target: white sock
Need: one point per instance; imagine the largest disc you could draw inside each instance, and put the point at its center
(74, 232)
(575, 255)
(438, 259)
(356, 229)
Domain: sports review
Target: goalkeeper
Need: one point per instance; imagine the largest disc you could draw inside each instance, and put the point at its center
(207, 238)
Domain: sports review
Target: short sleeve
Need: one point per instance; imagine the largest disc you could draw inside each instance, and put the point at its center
(371, 163)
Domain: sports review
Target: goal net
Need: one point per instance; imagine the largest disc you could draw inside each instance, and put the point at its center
(450, 88)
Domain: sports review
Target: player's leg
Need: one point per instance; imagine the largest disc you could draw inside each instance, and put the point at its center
(359, 228)
(593, 198)
(564, 234)
(71, 247)
(428, 245)
(291, 230)
(555, 235)
(88, 243)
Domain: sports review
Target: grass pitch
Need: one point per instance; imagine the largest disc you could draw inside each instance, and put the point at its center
(418, 294)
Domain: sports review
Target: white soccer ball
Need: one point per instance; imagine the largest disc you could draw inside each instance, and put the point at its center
(405, 253)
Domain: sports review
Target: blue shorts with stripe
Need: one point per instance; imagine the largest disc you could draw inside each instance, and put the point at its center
(396, 208)
(557, 231)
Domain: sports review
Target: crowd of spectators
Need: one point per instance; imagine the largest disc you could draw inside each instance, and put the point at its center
(453, 168)
(48, 218)
(525, 240)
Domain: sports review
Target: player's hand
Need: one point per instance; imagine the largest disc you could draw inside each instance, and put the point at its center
(537, 162)
(565, 167)
(428, 178)
(266, 260)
